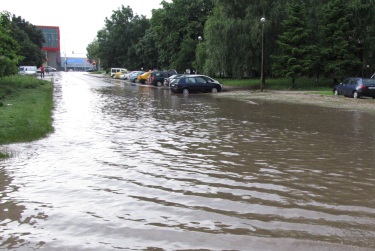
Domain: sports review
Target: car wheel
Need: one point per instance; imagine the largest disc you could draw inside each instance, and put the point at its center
(159, 84)
(185, 91)
(355, 95)
(214, 90)
(336, 92)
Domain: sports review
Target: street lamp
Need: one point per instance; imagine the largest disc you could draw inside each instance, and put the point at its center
(262, 82)
(199, 39)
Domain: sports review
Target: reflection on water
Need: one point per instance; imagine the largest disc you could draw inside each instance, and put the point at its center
(138, 168)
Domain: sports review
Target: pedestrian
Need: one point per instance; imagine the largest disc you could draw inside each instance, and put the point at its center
(42, 71)
(47, 70)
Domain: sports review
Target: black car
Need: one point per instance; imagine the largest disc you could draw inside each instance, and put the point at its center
(356, 87)
(195, 83)
(157, 77)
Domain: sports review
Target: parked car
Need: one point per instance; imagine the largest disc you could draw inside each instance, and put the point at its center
(168, 80)
(113, 71)
(49, 69)
(195, 83)
(134, 76)
(27, 70)
(157, 77)
(356, 87)
(125, 75)
(117, 74)
(143, 77)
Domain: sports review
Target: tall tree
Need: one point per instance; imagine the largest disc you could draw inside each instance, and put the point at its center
(9, 58)
(30, 39)
(364, 34)
(339, 48)
(294, 58)
(117, 40)
(176, 32)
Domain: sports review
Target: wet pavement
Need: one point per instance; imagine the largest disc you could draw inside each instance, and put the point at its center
(132, 167)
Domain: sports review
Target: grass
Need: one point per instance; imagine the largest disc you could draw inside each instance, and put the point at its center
(306, 84)
(25, 109)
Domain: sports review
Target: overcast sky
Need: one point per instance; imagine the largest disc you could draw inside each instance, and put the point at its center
(79, 20)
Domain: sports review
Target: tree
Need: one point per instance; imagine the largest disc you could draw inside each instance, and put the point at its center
(30, 39)
(294, 58)
(339, 47)
(363, 19)
(93, 51)
(146, 51)
(117, 40)
(9, 59)
(176, 32)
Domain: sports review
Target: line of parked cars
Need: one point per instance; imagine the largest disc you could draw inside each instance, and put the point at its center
(177, 83)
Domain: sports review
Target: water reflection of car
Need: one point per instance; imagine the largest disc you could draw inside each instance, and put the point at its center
(356, 87)
(195, 83)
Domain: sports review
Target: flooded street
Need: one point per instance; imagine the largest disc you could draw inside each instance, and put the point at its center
(132, 167)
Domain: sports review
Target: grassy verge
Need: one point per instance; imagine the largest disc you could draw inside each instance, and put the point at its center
(302, 84)
(25, 109)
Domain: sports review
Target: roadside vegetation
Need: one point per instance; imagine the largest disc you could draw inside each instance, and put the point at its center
(303, 84)
(26, 105)
(318, 39)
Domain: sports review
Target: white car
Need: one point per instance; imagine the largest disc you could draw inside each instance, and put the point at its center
(27, 70)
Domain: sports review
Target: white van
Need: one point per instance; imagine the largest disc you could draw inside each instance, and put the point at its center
(115, 70)
(27, 70)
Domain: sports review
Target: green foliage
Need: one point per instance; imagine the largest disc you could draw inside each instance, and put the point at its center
(176, 29)
(30, 39)
(9, 48)
(294, 58)
(339, 48)
(117, 41)
(314, 38)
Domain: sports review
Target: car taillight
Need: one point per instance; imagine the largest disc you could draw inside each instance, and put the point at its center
(363, 87)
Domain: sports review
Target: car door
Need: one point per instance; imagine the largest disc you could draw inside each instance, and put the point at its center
(202, 85)
(192, 85)
(344, 87)
(352, 86)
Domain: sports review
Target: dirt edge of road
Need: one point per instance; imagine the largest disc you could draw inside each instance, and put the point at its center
(302, 97)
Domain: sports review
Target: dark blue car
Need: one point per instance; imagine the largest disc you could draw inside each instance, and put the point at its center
(356, 87)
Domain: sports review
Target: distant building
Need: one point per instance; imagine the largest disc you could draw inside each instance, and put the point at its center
(51, 47)
(76, 64)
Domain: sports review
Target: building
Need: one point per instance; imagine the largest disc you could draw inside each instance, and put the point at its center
(76, 64)
(51, 47)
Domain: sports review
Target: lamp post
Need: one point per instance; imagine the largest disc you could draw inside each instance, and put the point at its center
(262, 82)
(199, 41)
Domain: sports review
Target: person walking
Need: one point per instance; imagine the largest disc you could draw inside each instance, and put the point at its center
(42, 71)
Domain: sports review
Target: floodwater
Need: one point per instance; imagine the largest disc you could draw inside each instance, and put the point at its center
(133, 167)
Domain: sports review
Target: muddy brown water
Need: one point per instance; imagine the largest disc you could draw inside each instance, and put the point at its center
(132, 167)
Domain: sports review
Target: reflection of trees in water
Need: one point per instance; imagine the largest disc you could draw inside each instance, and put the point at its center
(11, 212)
